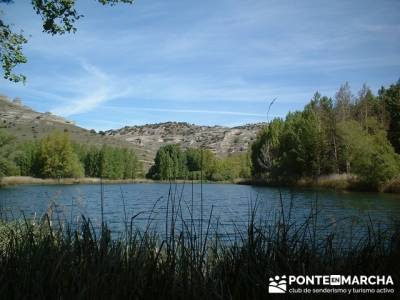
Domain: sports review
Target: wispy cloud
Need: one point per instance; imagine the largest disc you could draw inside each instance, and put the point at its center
(185, 111)
(91, 89)
(214, 61)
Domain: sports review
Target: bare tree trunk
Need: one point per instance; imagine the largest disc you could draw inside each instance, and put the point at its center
(335, 152)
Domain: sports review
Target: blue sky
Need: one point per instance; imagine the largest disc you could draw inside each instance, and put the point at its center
(204, 62)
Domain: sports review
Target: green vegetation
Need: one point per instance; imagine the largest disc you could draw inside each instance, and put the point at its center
(170, 163)
(391, 99)
(56, 156)
(43, 261)
(231, 167)
(357, 137)
(7, 167)
(352, 135)
(173, 163)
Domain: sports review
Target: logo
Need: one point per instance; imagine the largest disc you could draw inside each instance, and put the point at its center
(277, 285)
(332, 284)
(335, 280)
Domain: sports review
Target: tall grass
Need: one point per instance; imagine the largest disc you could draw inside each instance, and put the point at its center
(41, 259)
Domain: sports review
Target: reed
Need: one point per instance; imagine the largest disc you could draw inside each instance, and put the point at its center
(393, 186)
(47, 259)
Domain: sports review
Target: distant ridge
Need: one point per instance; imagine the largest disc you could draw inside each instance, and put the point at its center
(220, 139)
(25, 123)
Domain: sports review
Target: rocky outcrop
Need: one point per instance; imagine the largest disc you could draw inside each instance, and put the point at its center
(25, 123)
(12, 111)
(221, 140)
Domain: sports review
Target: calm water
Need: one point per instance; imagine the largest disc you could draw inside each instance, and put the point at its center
(230, 204)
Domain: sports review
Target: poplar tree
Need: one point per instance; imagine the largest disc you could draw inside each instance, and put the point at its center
(57, 158)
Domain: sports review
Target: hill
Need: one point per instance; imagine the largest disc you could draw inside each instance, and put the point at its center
(219, 139)
(25, 123)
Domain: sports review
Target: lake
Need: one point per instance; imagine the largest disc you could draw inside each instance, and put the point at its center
(230, 205)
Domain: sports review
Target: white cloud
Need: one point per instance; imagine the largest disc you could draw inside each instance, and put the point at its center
(91, 88)
(190, 55)
(190, 111)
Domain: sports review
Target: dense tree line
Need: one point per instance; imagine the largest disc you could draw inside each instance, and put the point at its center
(109, 162)
(172, 162)
(348, 134)
(56, 156)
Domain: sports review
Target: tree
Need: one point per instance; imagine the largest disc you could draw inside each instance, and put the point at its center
(231, 167)
(343, 102)
(286, 151)
(299, 146)
(326, 138)
(58, 17)
(371, 155)
(26, 158)
(57, 158)
(194, 159)
(92, 162)
(390, 99)
(7, 147)
(265, 153)
(110, 165)
(200, 162)
(132, 166)
(11, 52)
(322, 108)
(170, 163)
(366, 106)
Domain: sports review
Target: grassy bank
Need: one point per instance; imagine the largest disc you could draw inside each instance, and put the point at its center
(340, 182)
(44, 260)
(21, 180)
(393, 186)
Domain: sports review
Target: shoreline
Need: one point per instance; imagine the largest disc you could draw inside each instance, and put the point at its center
(27, 180)
(335, 182)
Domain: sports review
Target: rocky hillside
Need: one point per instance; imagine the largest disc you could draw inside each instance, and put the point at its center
(25, 123)
(221, 140)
